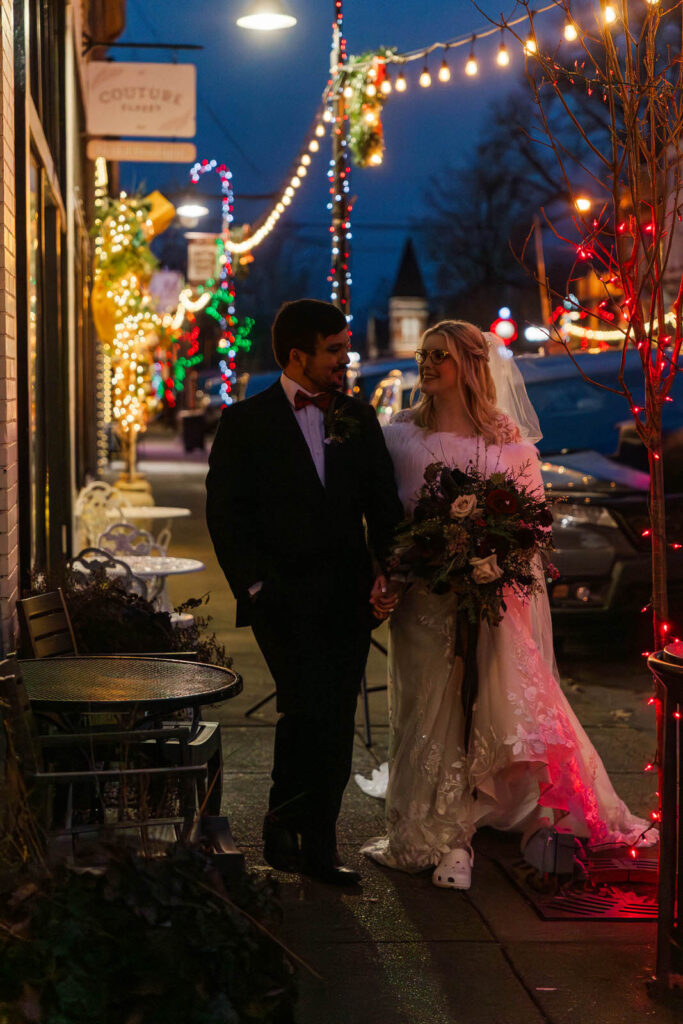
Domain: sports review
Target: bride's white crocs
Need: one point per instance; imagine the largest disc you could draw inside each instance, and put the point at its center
(454, 870)
(377, 784)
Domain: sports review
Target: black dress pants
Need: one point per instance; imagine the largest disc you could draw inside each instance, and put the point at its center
(317, 676)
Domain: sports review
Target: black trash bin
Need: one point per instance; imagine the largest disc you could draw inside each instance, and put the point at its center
(667, 668)
(193, 427)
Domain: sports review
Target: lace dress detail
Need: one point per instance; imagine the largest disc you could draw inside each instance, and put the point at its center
(527, 749)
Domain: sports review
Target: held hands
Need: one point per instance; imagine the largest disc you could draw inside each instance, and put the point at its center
(384, 597)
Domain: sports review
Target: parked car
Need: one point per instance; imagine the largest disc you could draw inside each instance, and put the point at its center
(603, 555)
(209, 394)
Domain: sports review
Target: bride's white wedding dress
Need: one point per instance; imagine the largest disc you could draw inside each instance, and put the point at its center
(527, 747)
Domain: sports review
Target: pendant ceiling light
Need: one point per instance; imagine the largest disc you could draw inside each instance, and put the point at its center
(266, 15)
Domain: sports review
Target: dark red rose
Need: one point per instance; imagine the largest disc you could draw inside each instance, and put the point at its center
(451, 482)
(525, 538)
(501, 503)
(545, 517)
(492, 543)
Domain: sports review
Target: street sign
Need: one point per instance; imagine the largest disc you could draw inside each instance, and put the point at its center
(150, 100)
(141, 152)
(165, 287)
(202, 259)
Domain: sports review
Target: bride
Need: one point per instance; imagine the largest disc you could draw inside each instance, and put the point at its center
(529, 765)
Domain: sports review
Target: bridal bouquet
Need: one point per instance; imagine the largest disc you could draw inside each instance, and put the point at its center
(474, 536)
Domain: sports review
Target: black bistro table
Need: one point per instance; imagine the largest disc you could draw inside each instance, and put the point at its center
(142, 689)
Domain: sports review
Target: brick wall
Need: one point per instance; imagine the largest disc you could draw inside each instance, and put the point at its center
(9, 551)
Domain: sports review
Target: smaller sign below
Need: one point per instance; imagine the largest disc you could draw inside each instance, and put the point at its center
(202, 258)
(142, 152)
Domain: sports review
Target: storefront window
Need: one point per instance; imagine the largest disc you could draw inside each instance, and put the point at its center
(34, 376)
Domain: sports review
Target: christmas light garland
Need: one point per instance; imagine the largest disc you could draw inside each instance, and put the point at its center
(221, 305)
(339, 176)
(126, 322)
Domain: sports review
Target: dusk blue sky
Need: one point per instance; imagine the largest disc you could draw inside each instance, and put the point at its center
(258, 93)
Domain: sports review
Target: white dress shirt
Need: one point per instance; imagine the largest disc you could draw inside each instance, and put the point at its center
(311, 421)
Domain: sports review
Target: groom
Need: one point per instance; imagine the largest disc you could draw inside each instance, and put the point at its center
(300, 491)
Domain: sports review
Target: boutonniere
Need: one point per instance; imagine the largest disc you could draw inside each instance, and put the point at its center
(341, 425)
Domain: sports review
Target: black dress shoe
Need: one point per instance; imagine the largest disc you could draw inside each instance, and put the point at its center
(329, 873)
(280, 845)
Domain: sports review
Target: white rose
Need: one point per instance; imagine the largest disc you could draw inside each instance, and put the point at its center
(463, 506)
(486, 570)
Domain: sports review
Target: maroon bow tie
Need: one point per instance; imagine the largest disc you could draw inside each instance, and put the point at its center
(301, 399)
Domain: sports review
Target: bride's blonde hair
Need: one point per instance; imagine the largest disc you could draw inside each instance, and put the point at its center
(470, 351)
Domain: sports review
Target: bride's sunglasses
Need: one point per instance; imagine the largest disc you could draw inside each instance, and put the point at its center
(437, 355)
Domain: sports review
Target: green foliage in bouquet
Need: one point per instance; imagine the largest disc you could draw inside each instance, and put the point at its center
(143, 941)
(474, 536)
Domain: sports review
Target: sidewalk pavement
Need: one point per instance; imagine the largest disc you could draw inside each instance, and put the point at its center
(399, 950)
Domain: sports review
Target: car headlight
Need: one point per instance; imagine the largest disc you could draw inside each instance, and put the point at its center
(566, 515)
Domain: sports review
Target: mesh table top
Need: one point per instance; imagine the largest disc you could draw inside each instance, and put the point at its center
(121, 683)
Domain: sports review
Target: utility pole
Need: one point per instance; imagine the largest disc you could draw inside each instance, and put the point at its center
(540, 272)
(339, 174)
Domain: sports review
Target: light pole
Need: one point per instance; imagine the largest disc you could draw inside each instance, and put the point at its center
(340, 168)
(583, 205)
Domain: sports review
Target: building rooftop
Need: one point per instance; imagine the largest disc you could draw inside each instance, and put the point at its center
(409, 282)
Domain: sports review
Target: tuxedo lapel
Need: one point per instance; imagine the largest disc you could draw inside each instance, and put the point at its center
(289, 444)
(337, 456)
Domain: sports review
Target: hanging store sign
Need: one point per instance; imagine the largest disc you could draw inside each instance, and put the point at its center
(153, 100)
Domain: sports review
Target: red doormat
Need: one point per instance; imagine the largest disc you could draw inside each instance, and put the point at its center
(617, 887)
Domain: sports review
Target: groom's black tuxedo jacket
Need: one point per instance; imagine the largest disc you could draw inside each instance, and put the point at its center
(271, 518)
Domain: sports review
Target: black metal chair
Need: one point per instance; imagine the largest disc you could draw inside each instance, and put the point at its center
(91, 561)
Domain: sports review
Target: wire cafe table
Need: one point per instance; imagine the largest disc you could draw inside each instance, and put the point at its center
(147, 514)
(158, 568)
(136, 687)
(71, 691)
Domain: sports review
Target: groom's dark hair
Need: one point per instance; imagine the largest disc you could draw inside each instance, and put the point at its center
(298, 324)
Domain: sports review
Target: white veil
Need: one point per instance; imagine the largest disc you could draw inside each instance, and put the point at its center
(511, 396)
